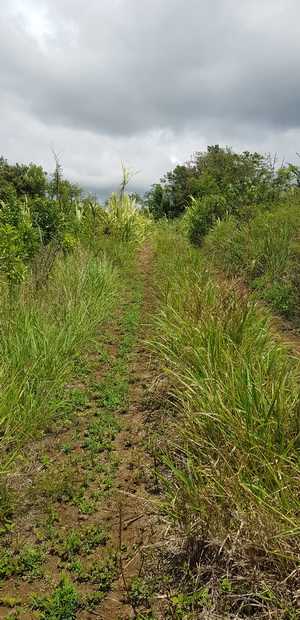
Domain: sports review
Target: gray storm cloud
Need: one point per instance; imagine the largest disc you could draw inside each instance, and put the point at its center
(146, 81)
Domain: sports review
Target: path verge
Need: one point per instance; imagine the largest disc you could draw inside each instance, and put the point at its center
(73, 538)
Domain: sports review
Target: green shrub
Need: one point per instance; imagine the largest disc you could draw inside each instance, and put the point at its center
(123, 220)
(12, 254)
(201, 214)
(62, 604)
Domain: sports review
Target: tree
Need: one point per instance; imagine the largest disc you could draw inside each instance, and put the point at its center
(21, 180)
(243, 179)
(156, 201)
(175, 187)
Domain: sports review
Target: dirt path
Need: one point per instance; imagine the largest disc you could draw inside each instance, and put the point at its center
(134, 520)
(83, 511)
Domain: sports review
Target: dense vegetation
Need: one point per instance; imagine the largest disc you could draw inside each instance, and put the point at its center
(243, 181)
(224, 399)
(59, 257)
(231, 435)
(237, 391)
(245, 214)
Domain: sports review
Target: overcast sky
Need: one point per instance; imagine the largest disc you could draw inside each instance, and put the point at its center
(148, 82)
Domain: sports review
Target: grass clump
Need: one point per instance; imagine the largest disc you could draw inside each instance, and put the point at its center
(265, 251)
(234, 450)
(62, 604)
(42, 336)
(123, 220)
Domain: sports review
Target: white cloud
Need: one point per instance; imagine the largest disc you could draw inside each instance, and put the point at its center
(146, 82)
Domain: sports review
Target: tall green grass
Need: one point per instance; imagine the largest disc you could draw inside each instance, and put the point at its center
(234, 448)
(42, 333)
(265, 251)
(122, 219)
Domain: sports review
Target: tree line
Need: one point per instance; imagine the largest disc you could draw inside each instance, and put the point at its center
(239, 183)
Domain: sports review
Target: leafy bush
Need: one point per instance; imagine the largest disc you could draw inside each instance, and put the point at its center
(12, 251)
(122, 219)
(201, 214)
(244, 179)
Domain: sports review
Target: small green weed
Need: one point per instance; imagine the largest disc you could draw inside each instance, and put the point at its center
(62, 604)
(101, 433)
(67, 448)
(139, 591)
(183, 603)
(8, 528)
(29, 561)
(93, 536)
(83, 541)
(113, 391)
(73, 544)
(10, 601)
(78, 400)
(100, 573)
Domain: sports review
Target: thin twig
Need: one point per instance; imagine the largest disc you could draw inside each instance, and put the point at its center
(127, 523)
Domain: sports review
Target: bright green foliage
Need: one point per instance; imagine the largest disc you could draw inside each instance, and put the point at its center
(40, 213)
(46, 216)
(12, 251)
(201, 214)
(245, 180)
(62, 604)
(21, 180)
(40, 218)
(123, 220)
